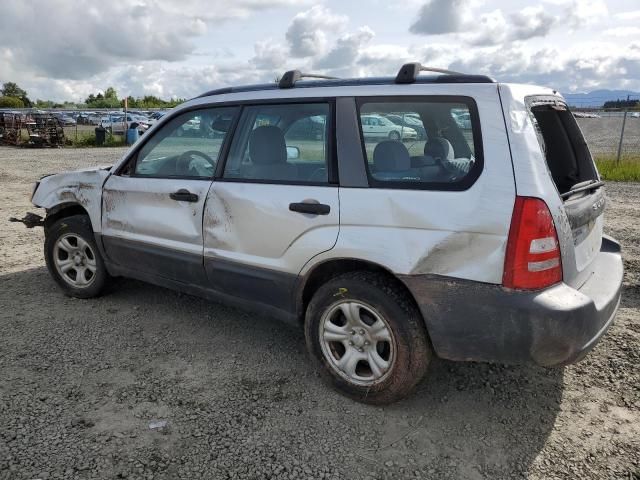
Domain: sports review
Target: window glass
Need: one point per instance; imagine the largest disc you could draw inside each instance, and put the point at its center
(420, 141)
(187, 146)
(281, 143)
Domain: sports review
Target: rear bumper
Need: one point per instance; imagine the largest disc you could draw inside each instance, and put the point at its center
(480, 322)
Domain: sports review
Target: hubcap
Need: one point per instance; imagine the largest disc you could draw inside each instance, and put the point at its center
(75, 260)
(357, 342)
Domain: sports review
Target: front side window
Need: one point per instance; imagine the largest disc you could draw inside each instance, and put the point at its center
(187, 146)
(281, 143)
(421, 142)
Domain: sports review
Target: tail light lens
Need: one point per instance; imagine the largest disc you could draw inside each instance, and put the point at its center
(533, 253)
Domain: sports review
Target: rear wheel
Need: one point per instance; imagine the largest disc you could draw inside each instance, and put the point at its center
(367, 337)
(394, 135)
(73, 258)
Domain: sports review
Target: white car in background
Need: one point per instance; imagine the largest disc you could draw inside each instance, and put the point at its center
(118, 124)
(377, 126)
(463, 119)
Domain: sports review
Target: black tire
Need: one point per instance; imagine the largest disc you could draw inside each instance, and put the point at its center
(394, 135)
(412, 348)
(76, 226)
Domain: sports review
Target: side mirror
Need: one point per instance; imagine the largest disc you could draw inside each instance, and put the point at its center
(293, 153)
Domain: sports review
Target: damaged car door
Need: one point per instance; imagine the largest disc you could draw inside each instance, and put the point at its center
(153, 205)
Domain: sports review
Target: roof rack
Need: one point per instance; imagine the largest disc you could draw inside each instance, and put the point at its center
(408, 74)
(410, 71)
(290, 78)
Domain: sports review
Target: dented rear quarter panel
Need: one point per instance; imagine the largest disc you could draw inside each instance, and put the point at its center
(81, 187)
(460, 234)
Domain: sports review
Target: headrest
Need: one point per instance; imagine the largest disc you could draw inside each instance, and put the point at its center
(439, 147)
(267, 146)
(391, 156)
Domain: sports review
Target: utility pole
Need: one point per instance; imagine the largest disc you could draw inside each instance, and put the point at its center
(624, 121)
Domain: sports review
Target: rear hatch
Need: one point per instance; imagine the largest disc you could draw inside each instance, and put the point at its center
(577, 181)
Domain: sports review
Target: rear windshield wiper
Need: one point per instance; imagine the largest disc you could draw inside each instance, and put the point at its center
(581, 187)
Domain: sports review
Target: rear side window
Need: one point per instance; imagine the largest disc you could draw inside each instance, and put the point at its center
(281, 144)
(421, 142)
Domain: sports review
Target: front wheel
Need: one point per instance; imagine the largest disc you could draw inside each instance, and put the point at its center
(73, 258)
(394, 135)
(367, 337)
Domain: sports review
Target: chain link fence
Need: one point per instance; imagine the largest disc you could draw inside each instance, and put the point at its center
(611, 133)
(79, 126)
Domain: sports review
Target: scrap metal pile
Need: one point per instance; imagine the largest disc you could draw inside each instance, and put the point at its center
(10, 128)
(43, 129)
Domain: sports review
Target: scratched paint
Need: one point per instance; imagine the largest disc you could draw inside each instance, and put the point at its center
(83, 187)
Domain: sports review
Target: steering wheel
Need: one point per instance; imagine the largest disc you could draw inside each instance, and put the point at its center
(184, 160)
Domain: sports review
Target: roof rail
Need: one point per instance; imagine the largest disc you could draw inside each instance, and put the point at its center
(410, 71)
(290, 78)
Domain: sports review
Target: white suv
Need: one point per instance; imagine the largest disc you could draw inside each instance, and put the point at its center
(482, 243)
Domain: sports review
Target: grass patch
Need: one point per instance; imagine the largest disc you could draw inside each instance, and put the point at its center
(628, 170)
(89, 140)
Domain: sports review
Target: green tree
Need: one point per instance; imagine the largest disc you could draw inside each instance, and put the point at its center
(11, 102)
(11, 89)
(108, 99)
(43, 104)
(110, 92)
(131, 102)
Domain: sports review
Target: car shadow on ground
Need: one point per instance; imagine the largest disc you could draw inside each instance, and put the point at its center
(473, 419)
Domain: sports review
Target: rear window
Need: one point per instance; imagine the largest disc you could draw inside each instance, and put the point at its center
(562, 142)
(421, 142)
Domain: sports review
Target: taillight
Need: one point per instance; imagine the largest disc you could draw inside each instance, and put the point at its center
(533, 254)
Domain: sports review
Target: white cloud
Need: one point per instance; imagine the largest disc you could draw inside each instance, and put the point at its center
(623, 32)
(306, 34)
(269, 55)
(346, 50)
(630, 15)
(580, 13)
(441, 16)
(531, 22)
(73, 40)
(169, 50)
(492, 29)
(584, 68)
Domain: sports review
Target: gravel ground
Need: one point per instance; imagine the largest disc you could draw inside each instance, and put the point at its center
(82, 380)
(603, 135)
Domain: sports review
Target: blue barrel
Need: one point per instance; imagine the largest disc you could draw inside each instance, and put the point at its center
(132, 136)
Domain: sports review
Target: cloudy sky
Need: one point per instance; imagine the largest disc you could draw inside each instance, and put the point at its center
(66, 49)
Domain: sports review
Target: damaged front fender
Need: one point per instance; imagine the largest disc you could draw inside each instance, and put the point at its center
(82, 187)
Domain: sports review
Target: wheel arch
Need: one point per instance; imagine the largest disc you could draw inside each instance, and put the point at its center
(328, 269)
(64, 210)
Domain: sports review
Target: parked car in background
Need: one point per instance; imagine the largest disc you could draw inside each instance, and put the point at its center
(409, 121)
(463, 119)
(118, 125)
(65, 119)
(155, 116)
(377, 126)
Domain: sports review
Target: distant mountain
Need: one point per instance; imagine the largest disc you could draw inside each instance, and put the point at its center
(598, 97)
